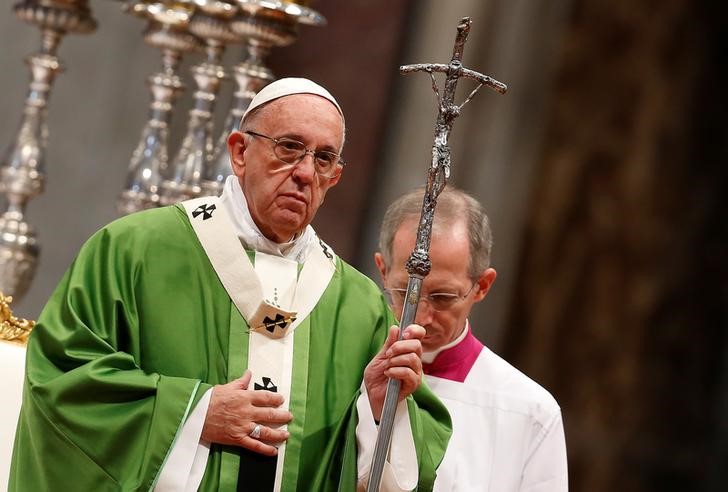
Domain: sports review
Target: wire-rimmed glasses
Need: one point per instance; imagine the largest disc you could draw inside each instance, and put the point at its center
(290, 151)
(439, 301)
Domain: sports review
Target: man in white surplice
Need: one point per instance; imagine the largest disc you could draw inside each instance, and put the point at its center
(508, 433)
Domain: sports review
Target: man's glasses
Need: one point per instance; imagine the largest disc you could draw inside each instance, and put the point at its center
(439, 301)
(327, 164)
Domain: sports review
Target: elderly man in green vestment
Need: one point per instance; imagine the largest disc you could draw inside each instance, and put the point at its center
(219, 344)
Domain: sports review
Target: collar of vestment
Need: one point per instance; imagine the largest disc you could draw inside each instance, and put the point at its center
(273, 296)
(454, 360)
(233, 199)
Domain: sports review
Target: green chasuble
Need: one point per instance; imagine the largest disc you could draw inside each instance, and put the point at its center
(140, 327)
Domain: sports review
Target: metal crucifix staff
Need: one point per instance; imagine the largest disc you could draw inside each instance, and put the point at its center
(418, 264)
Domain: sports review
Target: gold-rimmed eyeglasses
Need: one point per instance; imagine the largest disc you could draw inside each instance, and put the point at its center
(439, 301)
(291, 152)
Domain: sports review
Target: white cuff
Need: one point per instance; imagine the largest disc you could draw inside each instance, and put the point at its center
(400, 471)
(187, 460)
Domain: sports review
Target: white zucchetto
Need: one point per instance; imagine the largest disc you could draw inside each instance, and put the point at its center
(288, 87)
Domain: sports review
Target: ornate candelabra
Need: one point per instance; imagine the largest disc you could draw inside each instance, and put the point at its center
(262, 25)
(209, 23)
(167, 30)
(22, 170)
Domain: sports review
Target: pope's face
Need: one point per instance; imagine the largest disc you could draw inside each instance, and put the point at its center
(450, 257)
(284, 200)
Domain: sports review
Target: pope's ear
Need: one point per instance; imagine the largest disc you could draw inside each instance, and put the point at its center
(485, 281)
(236, 149)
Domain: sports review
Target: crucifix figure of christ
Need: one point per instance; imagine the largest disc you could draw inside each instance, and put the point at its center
(418, 264)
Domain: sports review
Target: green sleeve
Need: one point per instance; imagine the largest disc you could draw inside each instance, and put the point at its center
(91, 418)
(431, 428)
(429, 418)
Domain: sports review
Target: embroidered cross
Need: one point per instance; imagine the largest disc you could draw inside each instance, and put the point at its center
(281, 321)
(267, 385)
(326, 250)
(205, 210)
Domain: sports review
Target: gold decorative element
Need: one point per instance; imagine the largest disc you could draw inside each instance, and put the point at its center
(13, 329)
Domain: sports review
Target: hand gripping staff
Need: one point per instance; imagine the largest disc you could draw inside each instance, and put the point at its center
(418, 264)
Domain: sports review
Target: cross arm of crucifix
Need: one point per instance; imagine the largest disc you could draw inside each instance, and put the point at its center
(455, 68)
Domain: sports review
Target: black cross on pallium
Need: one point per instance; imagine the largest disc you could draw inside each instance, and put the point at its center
(205, 210)
(326, 250)
(267, 385)
(270, 324)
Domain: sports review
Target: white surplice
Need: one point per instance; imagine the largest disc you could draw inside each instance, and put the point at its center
(508, 435)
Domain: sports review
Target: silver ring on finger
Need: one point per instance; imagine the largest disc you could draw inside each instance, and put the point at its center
(255, 433)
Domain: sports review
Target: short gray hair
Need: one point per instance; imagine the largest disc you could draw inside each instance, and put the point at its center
(453, 204)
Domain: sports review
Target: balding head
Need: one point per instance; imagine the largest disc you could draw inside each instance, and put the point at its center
(453, 205)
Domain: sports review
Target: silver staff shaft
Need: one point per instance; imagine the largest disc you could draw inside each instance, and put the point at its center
(418, 265)
(386, 423)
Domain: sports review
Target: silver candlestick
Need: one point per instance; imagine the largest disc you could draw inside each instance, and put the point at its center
(22, 169)
(167, 30)
(250, 76)
(209, 23)
(262, 25)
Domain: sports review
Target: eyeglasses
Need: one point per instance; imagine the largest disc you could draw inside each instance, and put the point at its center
(439, 301)
(327, 164)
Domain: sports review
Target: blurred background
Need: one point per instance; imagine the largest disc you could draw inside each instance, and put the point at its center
(603, 170)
